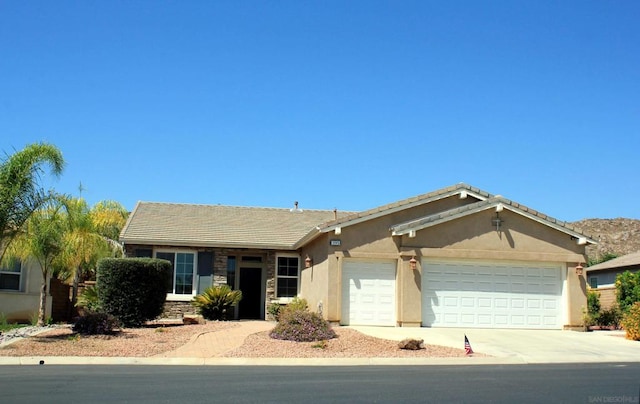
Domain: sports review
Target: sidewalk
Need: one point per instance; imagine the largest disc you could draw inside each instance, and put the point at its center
(503, 346)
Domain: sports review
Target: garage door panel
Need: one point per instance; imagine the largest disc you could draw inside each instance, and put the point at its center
(369, 289)
(470, 294)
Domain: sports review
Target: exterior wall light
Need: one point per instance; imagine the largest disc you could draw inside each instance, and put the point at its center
(308, 262)
(579, 269)
(413, 263)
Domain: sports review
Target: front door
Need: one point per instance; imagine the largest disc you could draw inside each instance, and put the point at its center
(251, 286)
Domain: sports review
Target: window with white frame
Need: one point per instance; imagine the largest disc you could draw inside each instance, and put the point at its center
(287, 274)
(183, 271)
(11, 276)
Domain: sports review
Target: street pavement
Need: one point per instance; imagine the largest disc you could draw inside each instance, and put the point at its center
(502, 347)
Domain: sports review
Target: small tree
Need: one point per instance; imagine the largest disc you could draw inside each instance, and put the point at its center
(41, 240)
(20, 193)
(132, 289)
(627, 290)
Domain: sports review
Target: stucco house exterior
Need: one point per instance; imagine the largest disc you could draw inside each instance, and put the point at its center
(20, 291)
(602, 277)
(455, 257)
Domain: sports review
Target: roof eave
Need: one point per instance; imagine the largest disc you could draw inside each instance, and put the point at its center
(197, 244)
(458, 190)
(402, 229)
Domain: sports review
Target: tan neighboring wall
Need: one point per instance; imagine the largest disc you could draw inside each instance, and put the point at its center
(21, 306)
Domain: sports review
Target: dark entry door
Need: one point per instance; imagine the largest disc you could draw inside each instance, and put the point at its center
(251, 287)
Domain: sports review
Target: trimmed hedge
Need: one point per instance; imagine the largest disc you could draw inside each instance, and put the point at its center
(133, 289)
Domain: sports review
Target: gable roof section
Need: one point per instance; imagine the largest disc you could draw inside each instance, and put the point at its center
(626, 261)
(460, 189)
(218, 225)
(498, 203)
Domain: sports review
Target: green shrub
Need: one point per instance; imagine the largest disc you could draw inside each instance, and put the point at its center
(302, 326)
(298, 303)
(89, 299)
(132, 289)
(215, 302)
(593, 302)
(627, 290)
(609, 317)
(631, 322)
(273, 309)
(96, 323)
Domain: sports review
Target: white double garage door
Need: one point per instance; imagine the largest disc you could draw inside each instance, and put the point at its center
(458, 294)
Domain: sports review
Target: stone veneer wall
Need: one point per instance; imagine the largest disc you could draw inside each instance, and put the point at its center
(173, 309)
(177, 309)
(271, 278)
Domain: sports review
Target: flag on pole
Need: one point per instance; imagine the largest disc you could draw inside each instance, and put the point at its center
(467, 346)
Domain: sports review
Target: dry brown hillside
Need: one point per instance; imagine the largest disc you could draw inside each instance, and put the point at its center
(617, 236)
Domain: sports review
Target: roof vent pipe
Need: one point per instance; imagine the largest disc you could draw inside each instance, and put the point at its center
(295, 207)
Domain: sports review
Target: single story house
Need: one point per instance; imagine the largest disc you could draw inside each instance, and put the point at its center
(455, 257)
(602, 276)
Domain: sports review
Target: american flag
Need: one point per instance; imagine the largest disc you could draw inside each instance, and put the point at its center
(467, 346)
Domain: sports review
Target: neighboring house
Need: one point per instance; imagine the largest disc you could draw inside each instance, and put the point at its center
(602, 277)
(456, 257)
(20, 292)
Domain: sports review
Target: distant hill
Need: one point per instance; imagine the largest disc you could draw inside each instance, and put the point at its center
(617, 236)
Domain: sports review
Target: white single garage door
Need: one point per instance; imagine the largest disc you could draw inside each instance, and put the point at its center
(368, 292)
(491, 295)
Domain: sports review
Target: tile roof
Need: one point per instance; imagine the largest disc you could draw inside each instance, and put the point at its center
(219, 225)
(629, 260)
(251, 227)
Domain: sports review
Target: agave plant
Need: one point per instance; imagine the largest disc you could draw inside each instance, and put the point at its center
(215, 302)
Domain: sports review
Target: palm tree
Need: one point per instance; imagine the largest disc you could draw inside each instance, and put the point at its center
(90, 234)
(41, 238)
(20, 193)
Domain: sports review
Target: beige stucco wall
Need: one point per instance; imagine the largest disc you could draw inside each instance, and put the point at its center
(469, 237)
(21, 306)
(314, 281)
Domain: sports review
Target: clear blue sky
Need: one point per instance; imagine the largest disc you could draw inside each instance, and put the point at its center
(345, 104)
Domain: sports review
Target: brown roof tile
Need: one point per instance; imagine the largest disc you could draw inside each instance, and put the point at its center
(219, 225)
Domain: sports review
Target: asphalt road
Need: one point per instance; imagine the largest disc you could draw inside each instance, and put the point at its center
(571, 383)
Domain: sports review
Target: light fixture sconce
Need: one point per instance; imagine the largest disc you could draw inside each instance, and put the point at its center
(413, 263)
(496, 221)
(579, 269)
(308, 262)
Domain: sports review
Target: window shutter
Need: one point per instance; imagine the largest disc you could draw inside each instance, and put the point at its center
(205, 270)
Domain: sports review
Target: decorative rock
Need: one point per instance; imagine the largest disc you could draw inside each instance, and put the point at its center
(193, 319)
(411, 344)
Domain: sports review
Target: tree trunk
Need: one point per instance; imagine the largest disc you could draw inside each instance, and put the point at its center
(43, 302)
(74, 292)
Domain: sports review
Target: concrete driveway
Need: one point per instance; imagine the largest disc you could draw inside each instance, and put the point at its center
(528, 346)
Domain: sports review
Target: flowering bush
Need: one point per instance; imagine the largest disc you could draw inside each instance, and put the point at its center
(302, 326)
(631, 322)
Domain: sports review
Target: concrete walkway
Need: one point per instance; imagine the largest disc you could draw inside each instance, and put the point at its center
(503, 346)
(215, 343)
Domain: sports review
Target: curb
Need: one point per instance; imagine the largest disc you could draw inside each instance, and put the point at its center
(96, 360)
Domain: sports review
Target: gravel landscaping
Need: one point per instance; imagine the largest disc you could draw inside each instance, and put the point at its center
(153, 340)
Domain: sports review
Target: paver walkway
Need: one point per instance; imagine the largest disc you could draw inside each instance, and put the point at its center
(215, 343)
